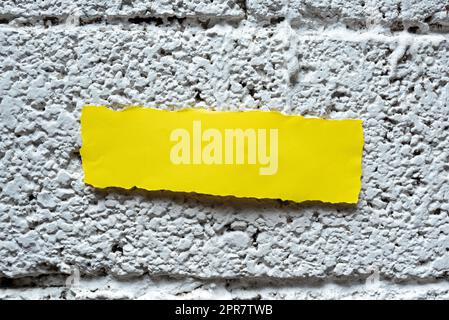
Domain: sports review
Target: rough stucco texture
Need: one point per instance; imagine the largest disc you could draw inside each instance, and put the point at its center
(398, 83)
(415, 12)
(32, 8)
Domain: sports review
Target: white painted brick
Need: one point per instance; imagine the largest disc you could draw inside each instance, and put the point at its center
(355, 13)
(297, 56)
(32, 8)
(187, 288)
(50, 220)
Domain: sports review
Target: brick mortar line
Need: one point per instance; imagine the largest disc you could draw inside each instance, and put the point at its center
(332, 33)
(254, 281)
(139, 287)
(51, 21)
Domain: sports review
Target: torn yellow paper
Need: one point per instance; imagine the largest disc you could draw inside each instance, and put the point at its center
(245, 154)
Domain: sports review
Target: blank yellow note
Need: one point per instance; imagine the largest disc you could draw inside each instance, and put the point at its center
(245, 154)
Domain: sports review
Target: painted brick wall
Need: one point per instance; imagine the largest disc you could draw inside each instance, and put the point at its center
(385, 62)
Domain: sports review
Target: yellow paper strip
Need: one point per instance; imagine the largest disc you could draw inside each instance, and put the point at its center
(245, 154)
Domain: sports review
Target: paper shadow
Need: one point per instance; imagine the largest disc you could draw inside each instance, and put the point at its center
(237, 203)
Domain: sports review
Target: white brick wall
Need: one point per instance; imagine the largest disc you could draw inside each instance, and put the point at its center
(39, 8)
(334, 59)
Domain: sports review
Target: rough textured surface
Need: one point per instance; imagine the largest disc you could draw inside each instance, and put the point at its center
(397, 82)
(416, 15)
(32, 8)
(188, 288)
